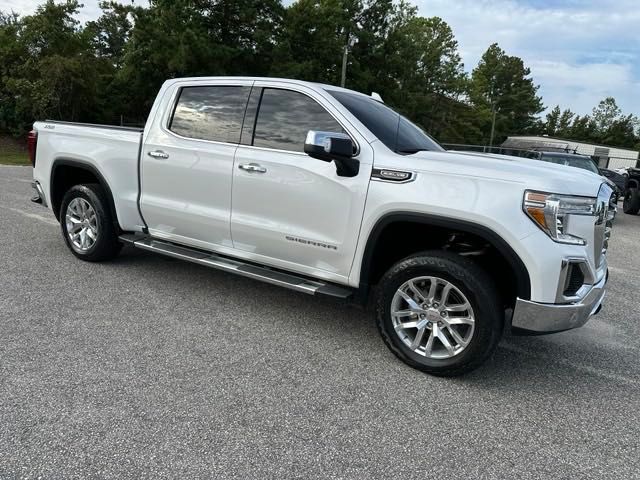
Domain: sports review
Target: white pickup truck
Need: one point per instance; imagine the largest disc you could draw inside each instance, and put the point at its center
(327, 191)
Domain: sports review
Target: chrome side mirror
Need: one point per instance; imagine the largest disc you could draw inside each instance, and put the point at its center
(333, 146)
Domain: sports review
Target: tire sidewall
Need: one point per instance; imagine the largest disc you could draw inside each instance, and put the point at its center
(103, 220)
(488, 323)
(631, 202)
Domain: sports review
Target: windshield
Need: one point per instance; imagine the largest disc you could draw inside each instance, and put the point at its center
(391, 128)
(572, 161)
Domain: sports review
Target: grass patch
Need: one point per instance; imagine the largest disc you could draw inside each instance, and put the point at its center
(14, 158)
(13, 151)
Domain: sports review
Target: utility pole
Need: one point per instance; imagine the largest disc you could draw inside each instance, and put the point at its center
(351, 41)
(492, 95)
(493, 124)
(345, 54)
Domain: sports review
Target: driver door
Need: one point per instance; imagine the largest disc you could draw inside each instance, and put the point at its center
(289, 209)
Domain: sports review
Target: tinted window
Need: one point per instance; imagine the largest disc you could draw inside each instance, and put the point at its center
(285, 117)
(391, 128)
(210, 113)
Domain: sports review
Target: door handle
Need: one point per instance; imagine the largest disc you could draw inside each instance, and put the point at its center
(158, 154)
(252, 167)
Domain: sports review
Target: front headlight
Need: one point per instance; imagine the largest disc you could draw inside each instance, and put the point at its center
(550, 212)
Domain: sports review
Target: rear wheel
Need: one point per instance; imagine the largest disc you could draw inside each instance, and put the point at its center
(440, 313)
(87, 225)
(631, 204)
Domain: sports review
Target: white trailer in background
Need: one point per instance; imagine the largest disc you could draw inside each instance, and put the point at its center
(608, 157)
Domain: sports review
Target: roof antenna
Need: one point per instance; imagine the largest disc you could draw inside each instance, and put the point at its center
(376, 96)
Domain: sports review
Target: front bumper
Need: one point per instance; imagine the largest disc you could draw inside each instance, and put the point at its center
(537, 318)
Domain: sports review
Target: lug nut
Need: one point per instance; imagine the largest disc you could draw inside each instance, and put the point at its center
(443, 314)
(435, 304)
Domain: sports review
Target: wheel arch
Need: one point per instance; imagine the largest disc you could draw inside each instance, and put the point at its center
(386, 222)
(65, 173)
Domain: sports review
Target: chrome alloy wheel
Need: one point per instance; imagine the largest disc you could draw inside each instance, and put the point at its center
(432, 317)
(82, 224)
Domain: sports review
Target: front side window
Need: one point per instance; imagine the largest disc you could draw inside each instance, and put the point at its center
(285, 117)
(210, 113)
(391, 128)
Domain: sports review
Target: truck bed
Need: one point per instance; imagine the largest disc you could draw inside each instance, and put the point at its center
(111, 151)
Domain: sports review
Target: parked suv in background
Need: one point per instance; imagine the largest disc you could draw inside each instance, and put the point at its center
(578, 161)
(327, 191)
(618, 179)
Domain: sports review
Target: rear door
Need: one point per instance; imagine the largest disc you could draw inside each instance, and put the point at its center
(187, 164)
(289, 209)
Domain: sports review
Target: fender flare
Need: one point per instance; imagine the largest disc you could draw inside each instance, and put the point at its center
(82, 165)
(512, 258)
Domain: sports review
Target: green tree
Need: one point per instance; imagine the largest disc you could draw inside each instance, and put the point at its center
(621, 132)
(606, 113)
(174, 38)
(413, 62)
(246, 29)
(374, 29)
(551, 125)
(313, 38)
(428, 74)
(57, 75)
(558, 122)
(110, 33)
(12, 55)
(502, 84)
(584, 129)
(564, 123)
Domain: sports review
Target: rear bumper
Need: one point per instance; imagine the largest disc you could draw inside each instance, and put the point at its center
(538, 318)
(39, 194)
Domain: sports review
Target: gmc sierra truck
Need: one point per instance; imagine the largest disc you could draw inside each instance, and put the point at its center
(327, 191)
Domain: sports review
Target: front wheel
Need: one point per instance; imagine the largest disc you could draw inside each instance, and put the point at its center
(439, 312)
(87, 225)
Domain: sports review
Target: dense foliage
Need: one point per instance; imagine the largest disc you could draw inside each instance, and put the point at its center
(109, 70)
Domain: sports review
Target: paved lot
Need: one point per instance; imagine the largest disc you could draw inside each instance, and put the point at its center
(151, 368)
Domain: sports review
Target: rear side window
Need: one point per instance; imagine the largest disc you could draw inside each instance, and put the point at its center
(285, 117)
(210, 113)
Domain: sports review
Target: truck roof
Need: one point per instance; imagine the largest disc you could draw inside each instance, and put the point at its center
(314, 85)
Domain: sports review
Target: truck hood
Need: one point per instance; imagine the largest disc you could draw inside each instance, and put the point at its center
(532, 174)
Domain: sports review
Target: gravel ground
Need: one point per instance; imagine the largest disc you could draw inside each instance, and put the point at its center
(146, 367)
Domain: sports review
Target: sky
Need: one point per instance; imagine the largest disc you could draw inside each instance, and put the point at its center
(579, 51)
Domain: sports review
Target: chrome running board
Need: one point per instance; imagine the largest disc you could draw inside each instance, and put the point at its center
(213, 260)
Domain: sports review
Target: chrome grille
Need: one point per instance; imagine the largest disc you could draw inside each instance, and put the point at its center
(605, 213)
(608, 226)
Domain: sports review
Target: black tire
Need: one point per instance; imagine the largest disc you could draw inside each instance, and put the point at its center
(106, 245)
(631, 204)
(467, 277)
